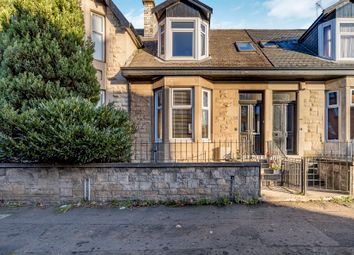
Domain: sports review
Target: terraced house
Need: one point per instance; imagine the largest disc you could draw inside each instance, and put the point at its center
(203, 94)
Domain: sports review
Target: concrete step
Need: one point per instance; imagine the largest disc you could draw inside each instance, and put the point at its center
(265, 165)
(268, 183)
(271, 177)
(267, 171)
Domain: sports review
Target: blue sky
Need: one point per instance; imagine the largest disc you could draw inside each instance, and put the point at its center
(244, 13)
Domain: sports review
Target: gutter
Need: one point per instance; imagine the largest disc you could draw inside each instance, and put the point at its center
(145, 72)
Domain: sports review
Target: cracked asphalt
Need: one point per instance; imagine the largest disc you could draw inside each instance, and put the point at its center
(288, 228)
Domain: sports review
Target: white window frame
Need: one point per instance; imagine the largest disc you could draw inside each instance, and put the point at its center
(197, 42)
(332, 24)
(329, 42)
(101, 33)
(158, 108)
(160, 35)
(328, 106)
(102, 100)
(183, 30)
(184, 107)
(350, 110)
(207, 108)
(203, 24)
(339, 36)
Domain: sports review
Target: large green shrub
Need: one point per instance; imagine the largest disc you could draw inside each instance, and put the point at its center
(49, 91)
(68, 130)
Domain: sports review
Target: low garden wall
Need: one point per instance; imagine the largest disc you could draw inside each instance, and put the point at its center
(107, 182)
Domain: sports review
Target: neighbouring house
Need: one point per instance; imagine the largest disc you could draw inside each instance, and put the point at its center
(197, 93)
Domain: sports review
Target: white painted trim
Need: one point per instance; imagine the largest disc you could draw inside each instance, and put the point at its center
(197, 43)
(339, 35)
(103, 33)
(172, 107)
(207, 108)
(321, 27)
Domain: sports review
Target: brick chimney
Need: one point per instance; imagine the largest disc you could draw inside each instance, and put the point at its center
(150, 22)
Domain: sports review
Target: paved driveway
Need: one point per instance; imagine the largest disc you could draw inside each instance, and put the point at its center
(263, 229)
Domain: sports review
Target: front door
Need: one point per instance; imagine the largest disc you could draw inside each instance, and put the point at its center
(251, 113)
(284, 121)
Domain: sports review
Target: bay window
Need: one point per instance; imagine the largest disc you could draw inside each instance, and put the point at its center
(347, 40)
(98, 36)
(352, 115)
(158, 115)
(206, 114)
(332, 115)
(182, 113)
(183, 39)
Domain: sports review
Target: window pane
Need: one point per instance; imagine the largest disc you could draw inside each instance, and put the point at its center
(182, 44)
(257, 119)
(332, 124)
(182, 98)
(327, 47)
(347, 46)
(159, 99)
(182, 123)
(245, 46)
(98, 41)
(203, 49)
(352, 123)
(182, 25)
(97, 23)
(162, 39)
(347, 27)
(159, 124)
(244, 118)
(205, 99)
(203, 28)
(102, 98)
(332, 98)
(205, 124)
(353, 97)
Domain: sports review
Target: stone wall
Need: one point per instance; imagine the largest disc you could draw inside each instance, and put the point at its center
(312, 121)
(54, 184)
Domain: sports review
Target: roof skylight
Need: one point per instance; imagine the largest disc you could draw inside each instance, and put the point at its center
(245, 46)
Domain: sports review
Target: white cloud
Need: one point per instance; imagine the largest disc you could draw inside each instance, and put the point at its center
(301, 9)
(136, 17)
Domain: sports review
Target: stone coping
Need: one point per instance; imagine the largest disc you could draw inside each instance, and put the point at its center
(133, 165)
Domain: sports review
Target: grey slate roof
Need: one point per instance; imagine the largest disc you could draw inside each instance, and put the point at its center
(288, 53)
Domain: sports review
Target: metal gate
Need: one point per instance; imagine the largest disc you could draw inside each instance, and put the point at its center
(318, 174)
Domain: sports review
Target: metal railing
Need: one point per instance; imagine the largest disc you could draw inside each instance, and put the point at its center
(293, 174)
(193, 152)
(329, 174)
(338, 150)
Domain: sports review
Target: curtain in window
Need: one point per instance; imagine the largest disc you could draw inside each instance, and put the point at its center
(347, 46)
(347, 40)
(327, 47)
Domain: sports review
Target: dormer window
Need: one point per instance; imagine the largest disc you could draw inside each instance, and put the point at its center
(183, 29)
(183, 39)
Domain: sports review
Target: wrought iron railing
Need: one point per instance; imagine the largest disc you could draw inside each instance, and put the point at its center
(338, 150)
(193, 152)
